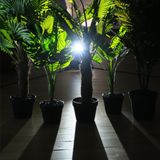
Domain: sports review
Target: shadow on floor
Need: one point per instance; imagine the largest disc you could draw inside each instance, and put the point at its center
(137, 146)
(87, 143)
(41, 146)
(152, 128)
(9, 129)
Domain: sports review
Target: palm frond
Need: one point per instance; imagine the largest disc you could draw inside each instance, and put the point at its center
(5, 45)
(104, 7)
(67, 22)
(17, 31)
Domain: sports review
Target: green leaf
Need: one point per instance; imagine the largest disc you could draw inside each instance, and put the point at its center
(104, 7)
(47, 24)
(97, 58)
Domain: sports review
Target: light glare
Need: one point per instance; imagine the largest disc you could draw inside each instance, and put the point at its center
(78, 47)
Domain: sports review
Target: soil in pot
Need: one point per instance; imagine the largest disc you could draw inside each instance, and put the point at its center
(143, 104)
(22, 107)
(113, 102)
(51, 111)
(85, 112)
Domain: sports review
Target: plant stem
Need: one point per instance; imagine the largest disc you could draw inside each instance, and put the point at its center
(23, 69)
(86, 83)
(84, 14)
(111, 77)
(51, 79)
(53, 82)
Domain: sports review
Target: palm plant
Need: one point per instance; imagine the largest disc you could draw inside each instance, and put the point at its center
(143, 42)
(111, 31)
(51, 49)
(50, 43)
(77, 32)
(112, 53)
(13, 35)
(17, 22)
(78, 28)
(84, 26)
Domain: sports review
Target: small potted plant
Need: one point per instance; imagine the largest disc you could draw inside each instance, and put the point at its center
(111, 49)
(51, 52)
(144, 44)
(113, 100)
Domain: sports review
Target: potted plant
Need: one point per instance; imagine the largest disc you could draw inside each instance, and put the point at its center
(51, 52)
(113, 100)
(144, 44)
(18, 20)
(84, 106)
(111, 50)
(14, 35)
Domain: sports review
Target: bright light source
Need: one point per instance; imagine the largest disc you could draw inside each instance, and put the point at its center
(78, 47)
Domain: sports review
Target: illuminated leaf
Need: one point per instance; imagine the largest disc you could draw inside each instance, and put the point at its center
(47, 24)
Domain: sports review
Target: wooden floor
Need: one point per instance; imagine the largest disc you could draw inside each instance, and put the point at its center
(109, 138)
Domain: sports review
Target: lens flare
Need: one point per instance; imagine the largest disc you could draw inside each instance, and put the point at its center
(78, 47)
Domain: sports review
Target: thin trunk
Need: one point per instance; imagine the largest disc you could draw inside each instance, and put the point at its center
(51, 79)
(52, 85)
(85, 18)
(112, 83)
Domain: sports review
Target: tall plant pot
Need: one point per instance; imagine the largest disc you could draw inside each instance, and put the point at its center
(22, 107)
(51, 111)
(113, 102)
(143, 103)
(85, 112)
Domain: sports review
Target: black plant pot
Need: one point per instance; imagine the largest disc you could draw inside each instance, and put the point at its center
(143, 103)
(52, 111)
(22, 107)
(85, 112)
(113, 102)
